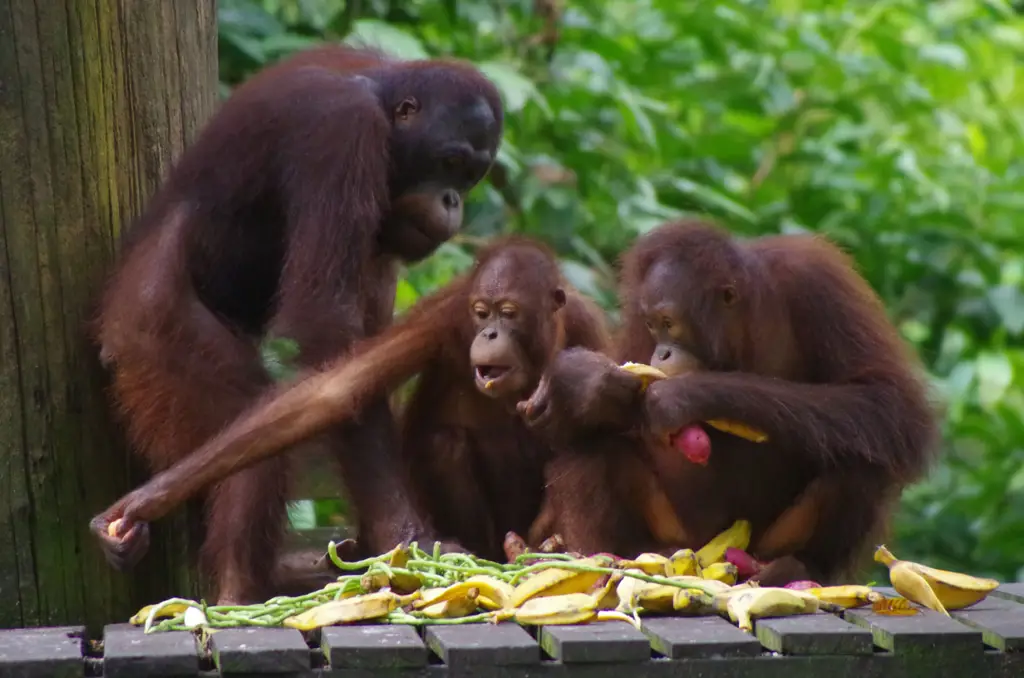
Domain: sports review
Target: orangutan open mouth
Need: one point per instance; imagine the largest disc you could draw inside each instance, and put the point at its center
(489, 376)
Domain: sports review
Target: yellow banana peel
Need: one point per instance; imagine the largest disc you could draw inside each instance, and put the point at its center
(556, 581)
(348, 610)
(936, 589)
(566, 608)
(737, 536)
(649, 374)
(163, 611)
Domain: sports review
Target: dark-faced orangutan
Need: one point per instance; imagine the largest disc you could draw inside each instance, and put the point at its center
(287, 216)
(780, 334)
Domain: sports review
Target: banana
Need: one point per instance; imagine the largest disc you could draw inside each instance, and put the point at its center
(657, 597)
(691, 603)
(737, 536)
(847, 596)
(723, 572)
(164, 611)
(648, 563)
(936, 589)
(757, 603)
(402, 582)
(374, 581)
(556, 581)
(683, 562)
(893, 606)
(498, 594)
(359, 608)
(566, 608)
(461, 605)
(607, 597)
(649, 374)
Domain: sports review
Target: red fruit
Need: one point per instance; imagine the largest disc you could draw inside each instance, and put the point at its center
(803, 584)
(746, 565)
(694, 443)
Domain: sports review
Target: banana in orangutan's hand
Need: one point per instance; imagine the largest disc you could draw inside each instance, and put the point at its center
(648, 374)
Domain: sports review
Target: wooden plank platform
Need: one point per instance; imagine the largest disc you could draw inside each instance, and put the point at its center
(983, 641)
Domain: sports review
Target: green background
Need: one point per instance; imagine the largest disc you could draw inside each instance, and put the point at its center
(896, 128)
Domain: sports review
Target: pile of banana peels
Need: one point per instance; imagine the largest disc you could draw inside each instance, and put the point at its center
(410, 586)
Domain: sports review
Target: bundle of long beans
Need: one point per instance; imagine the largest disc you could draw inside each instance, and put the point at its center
(408, 575)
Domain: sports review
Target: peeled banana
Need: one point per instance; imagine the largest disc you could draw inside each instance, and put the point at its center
(756, 603)
(648, 374)
(648, 563)
(938, 590)
(845, 596)
(737, 536)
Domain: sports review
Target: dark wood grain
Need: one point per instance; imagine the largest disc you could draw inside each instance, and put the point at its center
(128, 652)
(820, 633)
(373, 646)
(503, 644)
(601, 642)
(678, 637)
(44, 652)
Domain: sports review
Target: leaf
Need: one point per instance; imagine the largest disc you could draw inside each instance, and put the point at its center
(278, 355)
(302, 514)
(995, 374)
(386, 37)
(1008, 301)
(946, 54)
(405, 296)
(712, 198)
(515, 88)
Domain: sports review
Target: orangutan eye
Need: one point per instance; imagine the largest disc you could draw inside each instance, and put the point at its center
(481, 311)
(509, 311)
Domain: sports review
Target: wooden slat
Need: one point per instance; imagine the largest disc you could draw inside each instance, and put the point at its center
(504, 644)
(1000, 620)
(128, 652)
(813, 634)
(678, 637)
(42, 652)
(260, 650)
(600, 642)
(1010, 591)
(926, 632)
(373, 646)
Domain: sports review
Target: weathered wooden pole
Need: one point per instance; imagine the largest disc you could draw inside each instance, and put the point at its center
(97, 97)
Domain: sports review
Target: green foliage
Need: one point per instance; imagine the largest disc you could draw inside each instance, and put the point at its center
(894, 127)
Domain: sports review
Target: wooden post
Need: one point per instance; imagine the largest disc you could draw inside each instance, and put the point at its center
(96, 99)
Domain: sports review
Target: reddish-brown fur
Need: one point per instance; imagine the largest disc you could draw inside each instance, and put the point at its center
(779, 333)
(287, 216)
(477, 471)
